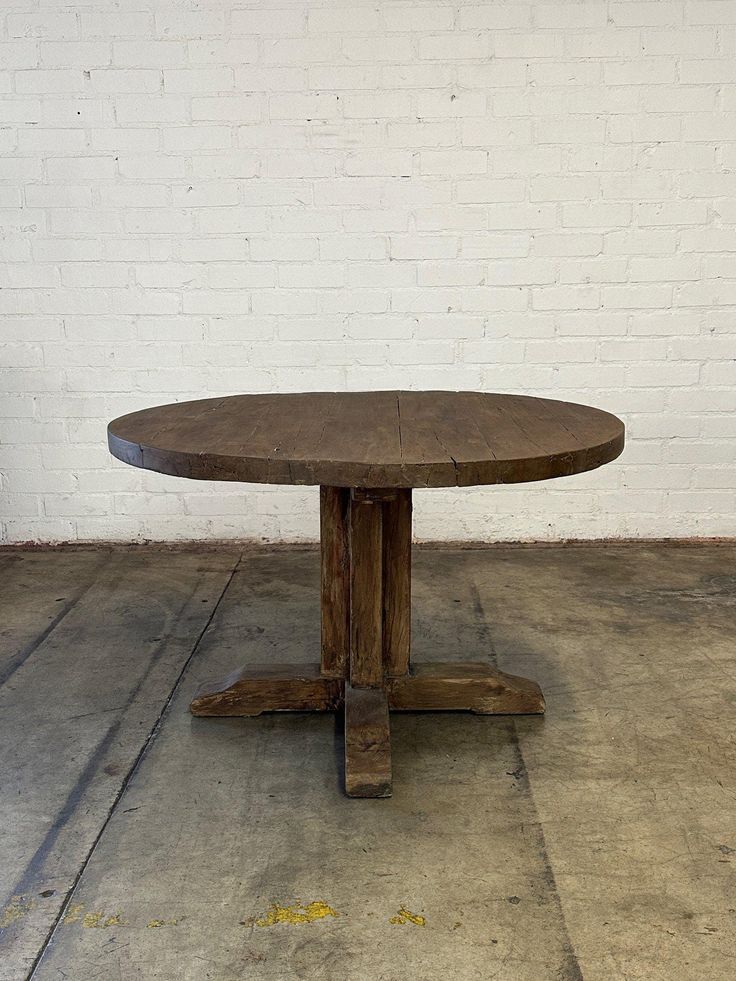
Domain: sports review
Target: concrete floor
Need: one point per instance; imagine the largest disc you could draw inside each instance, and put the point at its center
(596, 843)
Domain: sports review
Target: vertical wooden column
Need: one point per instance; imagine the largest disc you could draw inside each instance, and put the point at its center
(367, 733)
(334, 512)
(397, 583)
(366, 593)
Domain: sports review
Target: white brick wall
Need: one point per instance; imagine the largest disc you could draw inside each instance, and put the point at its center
(214, 197)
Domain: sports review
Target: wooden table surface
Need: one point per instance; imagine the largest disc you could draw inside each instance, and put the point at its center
(368, 450)
(369, 439)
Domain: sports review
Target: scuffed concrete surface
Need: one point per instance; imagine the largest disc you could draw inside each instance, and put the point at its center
(597, 842)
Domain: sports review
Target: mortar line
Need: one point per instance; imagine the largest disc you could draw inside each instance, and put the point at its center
(153, 732)
(571, 964)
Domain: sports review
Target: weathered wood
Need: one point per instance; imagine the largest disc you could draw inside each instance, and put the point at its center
(369, 439)
(374, 495)
(476, 687)
(367, 743)
(335, 580)
(366, 599)
(367, 450)
(397, 583)
(269, 688)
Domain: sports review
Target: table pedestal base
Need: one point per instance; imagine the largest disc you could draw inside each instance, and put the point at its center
(366, 620)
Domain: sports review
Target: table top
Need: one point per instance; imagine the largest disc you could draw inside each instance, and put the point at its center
(369, 439)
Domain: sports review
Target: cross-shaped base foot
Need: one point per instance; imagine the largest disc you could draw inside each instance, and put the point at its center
(366, 549)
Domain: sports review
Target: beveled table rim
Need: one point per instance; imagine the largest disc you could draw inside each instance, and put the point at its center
(306, 470)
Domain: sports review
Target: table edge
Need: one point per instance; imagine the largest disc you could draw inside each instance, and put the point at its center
(259, 470)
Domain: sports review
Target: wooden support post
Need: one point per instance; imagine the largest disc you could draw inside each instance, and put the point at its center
(367, 734)
(366, 638)
(335, 579)
(397, 583)
(366, 598)
(367, 743)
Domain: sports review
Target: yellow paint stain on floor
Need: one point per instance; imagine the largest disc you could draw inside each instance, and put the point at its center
(155, 924)
(297, 913)
(17, 908)
(94, 921)
(73, 914)
(91, 921)
(406, 916)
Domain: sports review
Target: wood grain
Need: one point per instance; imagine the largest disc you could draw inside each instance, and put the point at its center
(367, 450)
(369, 439)
(366, 596)
(335, 580)
(476, 687)
(268, 688)
(367, 743)
(397, 583)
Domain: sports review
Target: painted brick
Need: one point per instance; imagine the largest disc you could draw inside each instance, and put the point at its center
(535, 195)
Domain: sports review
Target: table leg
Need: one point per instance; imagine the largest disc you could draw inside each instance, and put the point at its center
(366, 592)
(334, 515)
(367, 736)
(397, 583)
(367, 743)
(366, 627)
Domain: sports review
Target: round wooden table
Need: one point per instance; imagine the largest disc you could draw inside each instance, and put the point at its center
(367, 450)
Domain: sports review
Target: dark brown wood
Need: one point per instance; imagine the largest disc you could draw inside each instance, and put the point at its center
(366, 627)
(367, 743)
(397, 583)
(476, 687)
(269, 688)
(369, 439)
(374, 495)
(455, 686)
(366, 599)
(367, 450)
(335, 580)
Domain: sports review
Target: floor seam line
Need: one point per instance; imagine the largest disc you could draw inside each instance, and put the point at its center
(574, 970)
(153, 732)
(32, 646)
